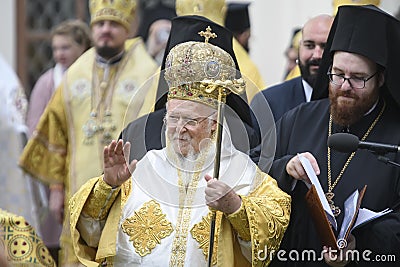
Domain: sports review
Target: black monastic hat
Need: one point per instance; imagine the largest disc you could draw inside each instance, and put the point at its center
(186, 28)
(237, 17)
(151, 14)
(367, 31)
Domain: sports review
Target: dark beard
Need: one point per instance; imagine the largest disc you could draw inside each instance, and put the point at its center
(107, 52)
(305, 71)
(348, 115)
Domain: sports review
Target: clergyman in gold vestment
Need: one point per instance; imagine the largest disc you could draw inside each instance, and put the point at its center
(160, 214)
(89, 109)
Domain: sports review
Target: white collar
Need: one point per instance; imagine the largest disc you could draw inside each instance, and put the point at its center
(307, 90)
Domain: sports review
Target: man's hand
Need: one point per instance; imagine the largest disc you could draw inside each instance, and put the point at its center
(339, 258)
(56, 203)
(116, 168)
(296, 170)
(221, 197)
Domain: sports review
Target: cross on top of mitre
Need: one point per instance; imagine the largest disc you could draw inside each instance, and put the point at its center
(207, 34)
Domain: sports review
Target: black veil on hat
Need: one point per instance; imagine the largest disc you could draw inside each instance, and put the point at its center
(186, 28)
(151, 14)
(237, 17)
(367, 31)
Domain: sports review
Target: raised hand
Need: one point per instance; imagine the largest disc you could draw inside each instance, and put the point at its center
(221, 197)
(117, 168)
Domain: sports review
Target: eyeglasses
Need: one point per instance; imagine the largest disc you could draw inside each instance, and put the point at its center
(357, 83)
(172, 120)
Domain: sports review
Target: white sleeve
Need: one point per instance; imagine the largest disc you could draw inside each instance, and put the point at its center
(90, 229)
(245, 247)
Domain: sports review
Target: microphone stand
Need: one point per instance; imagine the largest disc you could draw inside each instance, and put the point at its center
(386, 160)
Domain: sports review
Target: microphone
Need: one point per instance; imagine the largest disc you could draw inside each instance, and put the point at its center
(345, 142)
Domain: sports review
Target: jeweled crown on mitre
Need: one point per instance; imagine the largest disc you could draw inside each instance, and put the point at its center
(200, 71)
(121, 11)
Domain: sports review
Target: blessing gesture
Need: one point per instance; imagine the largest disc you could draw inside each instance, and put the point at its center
(116, 159)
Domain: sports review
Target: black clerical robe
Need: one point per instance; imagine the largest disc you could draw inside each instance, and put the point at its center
(281, 97)
(305, 128)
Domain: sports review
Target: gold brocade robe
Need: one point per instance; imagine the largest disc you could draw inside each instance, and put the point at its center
(142, 222)
(58, 152)
(295, 72)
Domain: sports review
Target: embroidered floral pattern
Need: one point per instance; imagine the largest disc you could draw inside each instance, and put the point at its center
(98, 206)
(201, 233)
(240, 223)
(147, 227)
(275, 208)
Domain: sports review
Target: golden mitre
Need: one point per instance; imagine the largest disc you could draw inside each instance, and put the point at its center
(200, 71)
(214, 10)
(338, 3)
(121, 11)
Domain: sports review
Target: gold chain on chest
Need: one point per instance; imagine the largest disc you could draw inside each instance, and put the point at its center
(330, 195)
(330, 185)
(100, 120)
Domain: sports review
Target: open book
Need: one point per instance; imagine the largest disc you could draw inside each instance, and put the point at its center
(322, 214)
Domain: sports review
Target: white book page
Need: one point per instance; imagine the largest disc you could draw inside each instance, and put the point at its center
(350, 206)
(314, 180)
(366, 215)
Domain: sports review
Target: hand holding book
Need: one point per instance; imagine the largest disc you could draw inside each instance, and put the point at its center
(322, 215)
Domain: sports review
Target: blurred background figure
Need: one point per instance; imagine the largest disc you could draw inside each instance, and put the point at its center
(88, 110)
(155, 25)
(69, 40)
(295, 72)
(19, 243)
(291, 93)
(292, 52)
(16, 196)
(237, 20)
(284, 96)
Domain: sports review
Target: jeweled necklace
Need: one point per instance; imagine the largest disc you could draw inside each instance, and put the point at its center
(330, 195)
(101, 98)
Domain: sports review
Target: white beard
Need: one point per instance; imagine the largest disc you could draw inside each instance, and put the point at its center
(193, 162)
(187, 165)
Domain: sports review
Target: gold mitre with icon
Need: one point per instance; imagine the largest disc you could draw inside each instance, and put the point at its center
(214, 10)
(338, 3)
(201, 72)
(121, 11)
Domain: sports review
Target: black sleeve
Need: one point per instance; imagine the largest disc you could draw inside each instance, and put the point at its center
(382, 238)
(282, 157)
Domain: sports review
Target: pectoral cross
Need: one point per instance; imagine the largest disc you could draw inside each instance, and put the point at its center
(207, 34)
(335, 209)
